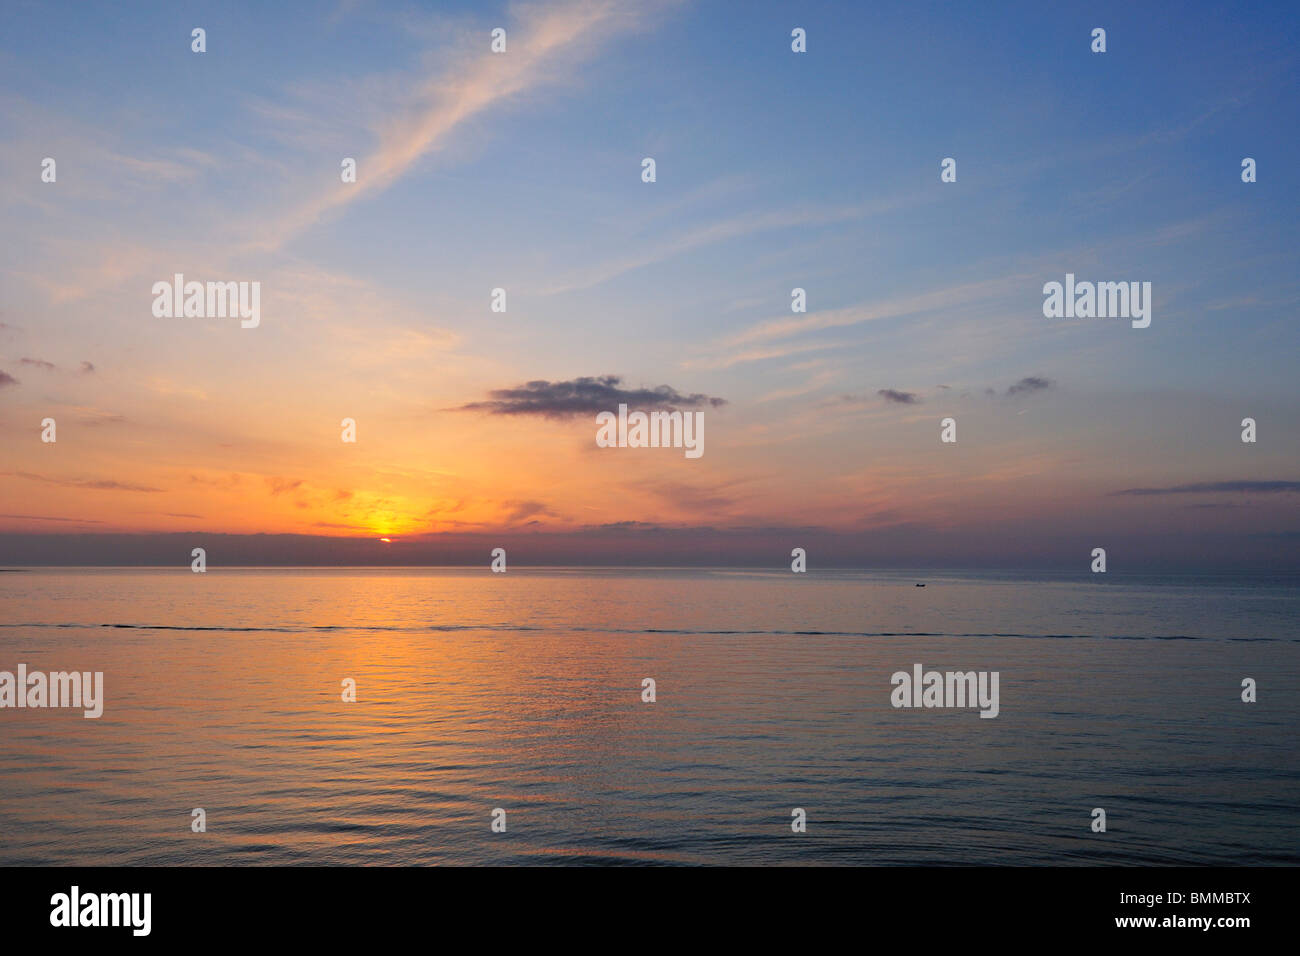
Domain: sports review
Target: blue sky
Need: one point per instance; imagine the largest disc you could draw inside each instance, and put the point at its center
(774, 170)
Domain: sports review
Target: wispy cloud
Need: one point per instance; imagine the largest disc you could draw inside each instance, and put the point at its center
(710, 500)
(763, 339)
(89, 484)
(85, 368)
(50, 518)
(717, 232)
(517, 511)
(153, 170)
(1210, 487)
(545, 43)
(892, 308)
(94, 418)
(280, 485)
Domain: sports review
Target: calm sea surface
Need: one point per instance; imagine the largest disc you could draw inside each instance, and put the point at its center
(523, 691)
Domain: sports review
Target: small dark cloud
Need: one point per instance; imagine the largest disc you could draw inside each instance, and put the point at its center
(1213, 487)
(179, 514)
(1030, 383)
(37, 363)
(87, 368)
(586, 396)
(7, 379)
(894, 396)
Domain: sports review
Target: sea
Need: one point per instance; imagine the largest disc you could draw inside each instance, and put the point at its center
(508, 718)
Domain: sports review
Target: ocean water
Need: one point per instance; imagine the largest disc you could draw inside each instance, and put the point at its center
(523, 691)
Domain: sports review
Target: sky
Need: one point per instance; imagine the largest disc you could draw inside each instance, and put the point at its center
(774, 170)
